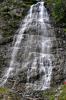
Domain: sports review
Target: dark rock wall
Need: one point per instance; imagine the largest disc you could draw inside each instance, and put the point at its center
(11, 14)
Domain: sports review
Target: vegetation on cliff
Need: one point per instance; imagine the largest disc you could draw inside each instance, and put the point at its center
(13, 11)
(58, 10)
(58, 93)
(11, 14)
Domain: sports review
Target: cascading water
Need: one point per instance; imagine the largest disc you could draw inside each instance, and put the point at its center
(34, 39)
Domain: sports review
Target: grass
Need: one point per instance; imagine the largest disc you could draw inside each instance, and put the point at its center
(3, 90)
(8, 95)
(63, 93)
(50, 94)
(64, 29)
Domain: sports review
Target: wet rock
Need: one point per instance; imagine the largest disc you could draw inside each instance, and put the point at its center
(36, 77)
(4, 41)
(1, 1)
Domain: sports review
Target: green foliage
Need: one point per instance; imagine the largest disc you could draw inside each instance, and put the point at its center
(58, 12)
(11, 14)
(63, 93)
(58, 9)
(3, 90)
(50, 94)
(64, 29)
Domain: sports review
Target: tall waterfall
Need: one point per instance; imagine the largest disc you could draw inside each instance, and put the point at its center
(34, 42)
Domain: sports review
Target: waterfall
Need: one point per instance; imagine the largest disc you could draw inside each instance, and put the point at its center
(34, 36)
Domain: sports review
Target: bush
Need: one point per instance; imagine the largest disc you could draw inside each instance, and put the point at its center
(58, 9)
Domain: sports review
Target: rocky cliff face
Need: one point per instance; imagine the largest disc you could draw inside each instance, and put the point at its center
(11, 14)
